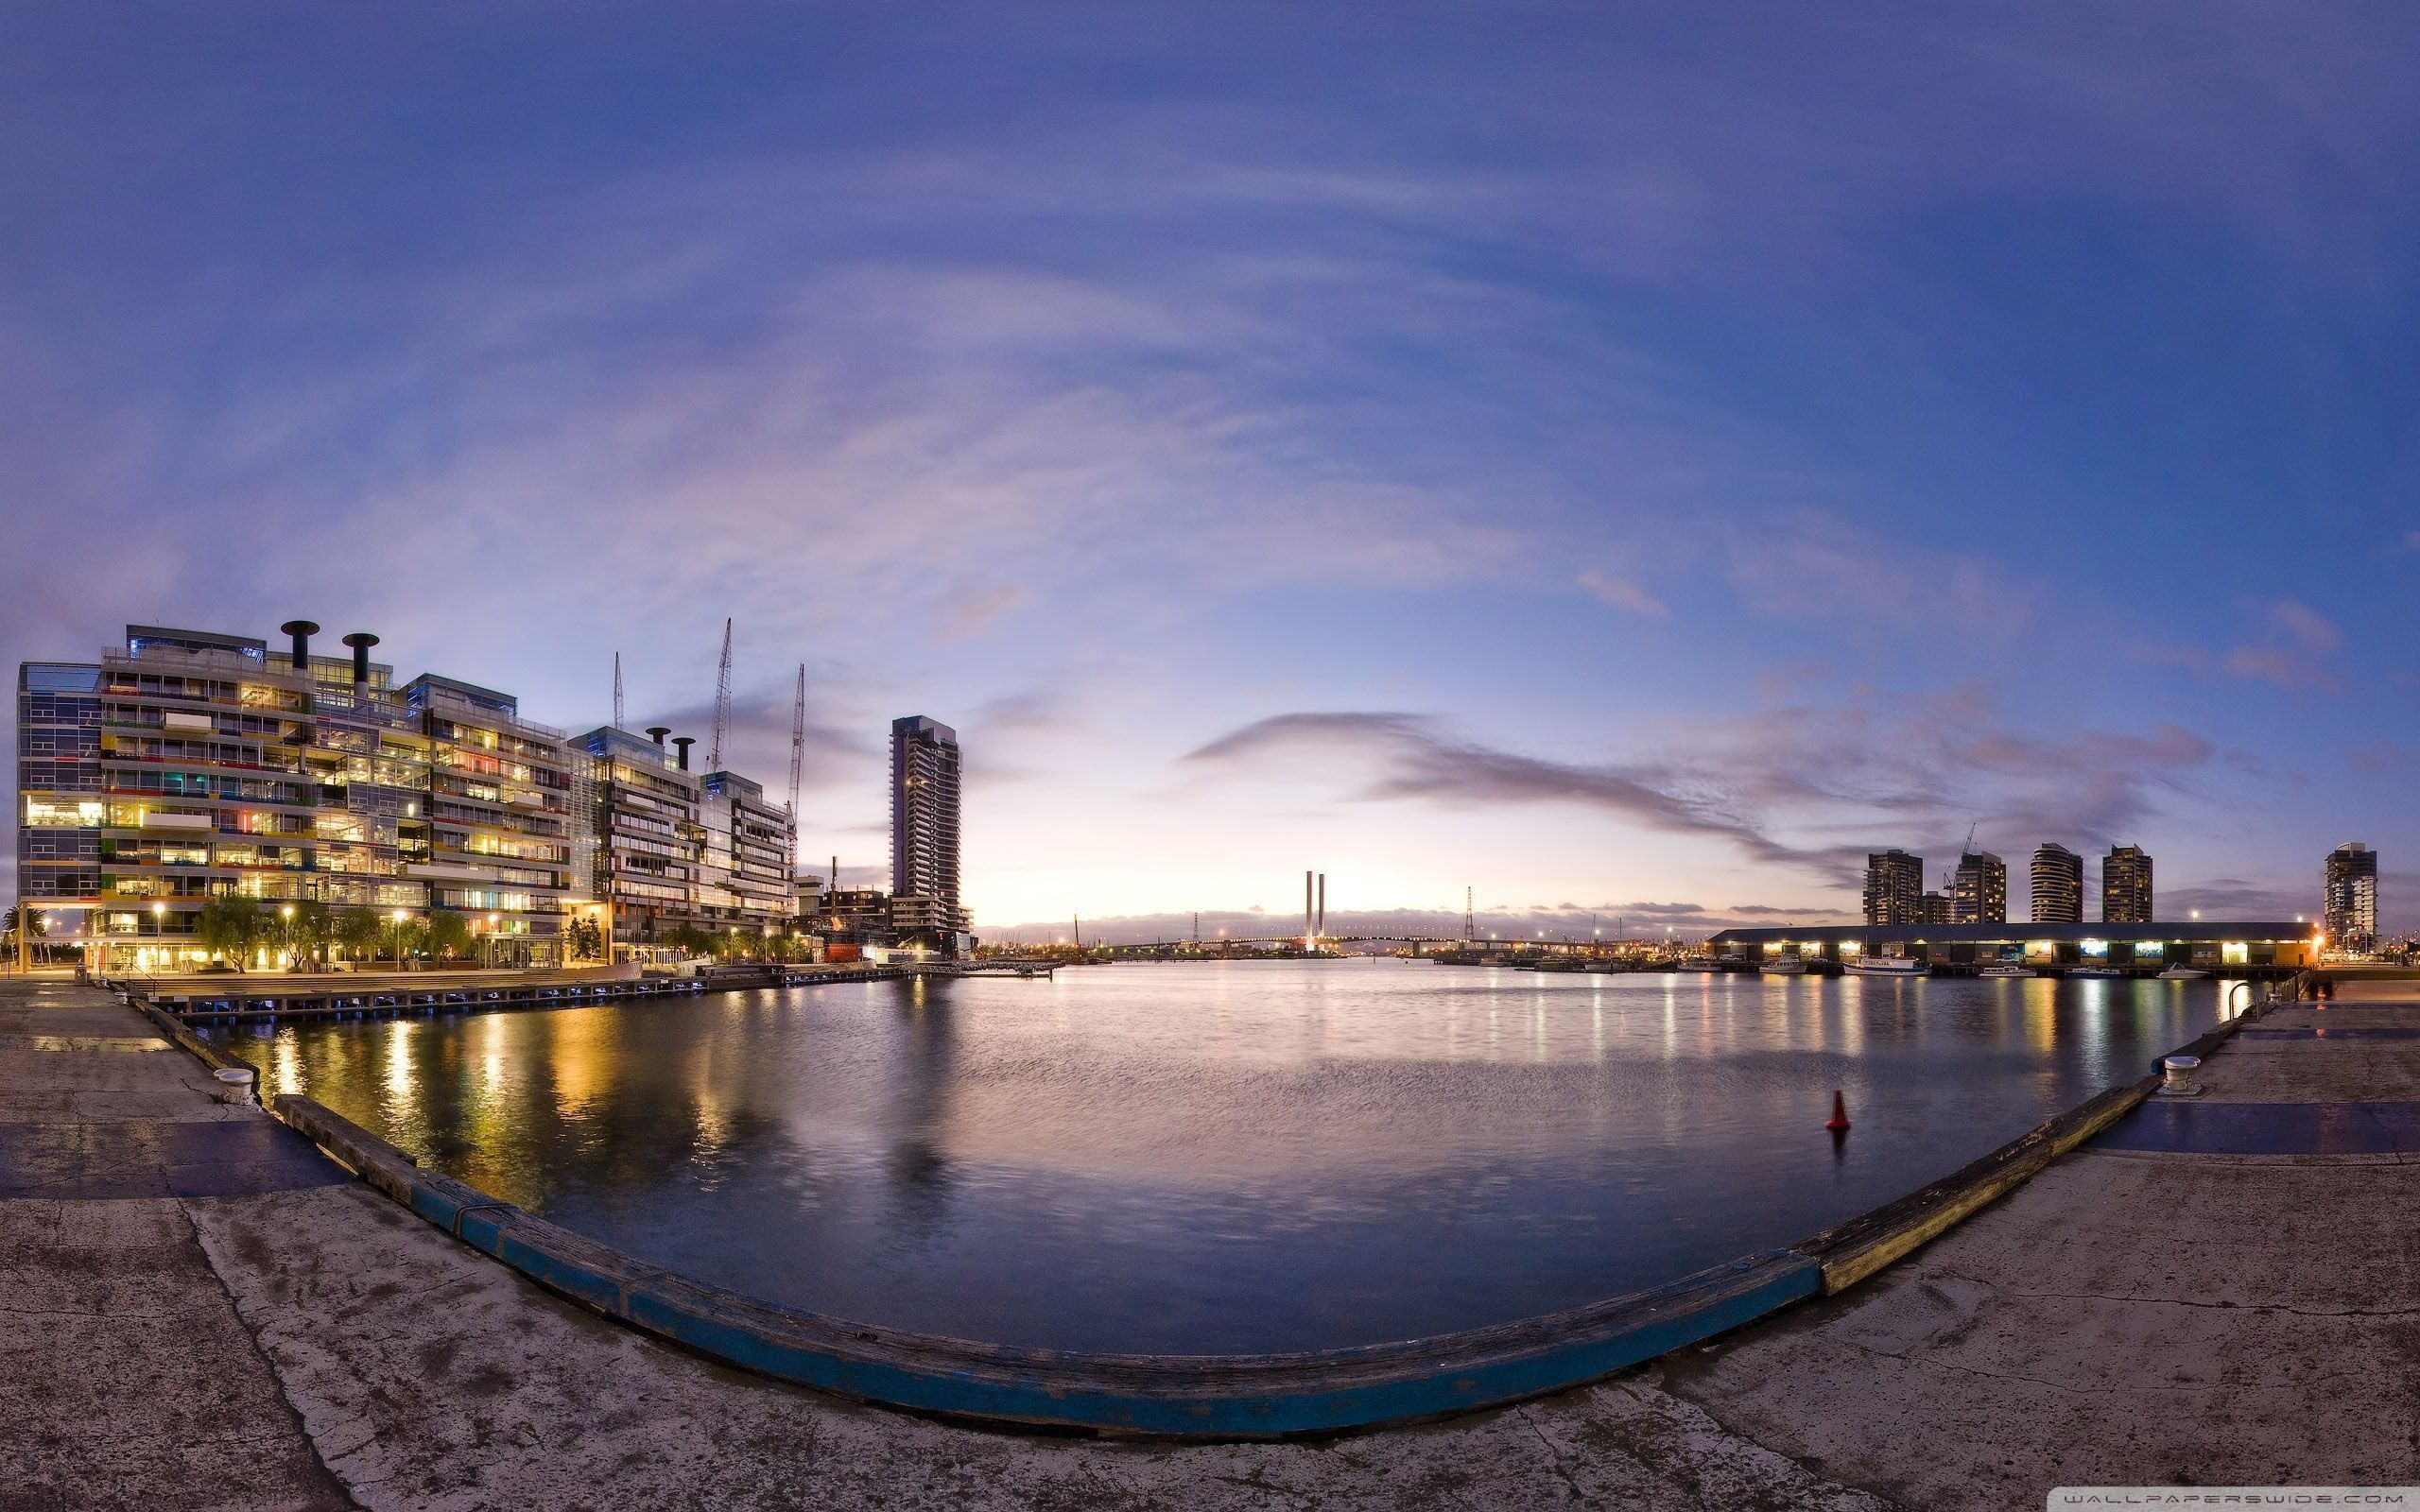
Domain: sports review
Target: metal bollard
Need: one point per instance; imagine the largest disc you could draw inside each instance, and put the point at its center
(2180, 1082)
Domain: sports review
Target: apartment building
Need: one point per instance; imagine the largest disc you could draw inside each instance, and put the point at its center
(191, 764)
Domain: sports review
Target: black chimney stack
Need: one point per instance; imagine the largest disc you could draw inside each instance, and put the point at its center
(659, 731)
(685, 741)
(301, 630)
(361, 640)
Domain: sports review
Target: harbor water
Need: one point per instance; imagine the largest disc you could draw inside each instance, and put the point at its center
(1228, 1156)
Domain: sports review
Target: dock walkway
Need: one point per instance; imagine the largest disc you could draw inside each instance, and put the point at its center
(205, 1312)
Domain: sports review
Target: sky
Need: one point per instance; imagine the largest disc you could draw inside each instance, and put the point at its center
(1625, 461)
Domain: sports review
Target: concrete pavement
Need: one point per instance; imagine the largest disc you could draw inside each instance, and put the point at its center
(236, 1325)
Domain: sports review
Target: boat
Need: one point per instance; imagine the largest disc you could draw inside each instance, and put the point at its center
(1602, 968)
(1783, 966)
(1559, 963)
(2005, 970)
(2181, 973)
(1886, 966)
(1701, 963)
(2094, 970)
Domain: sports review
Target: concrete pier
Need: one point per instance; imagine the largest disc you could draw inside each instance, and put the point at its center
(206, 1312)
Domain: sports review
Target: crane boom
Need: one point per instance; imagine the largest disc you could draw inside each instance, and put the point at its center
(723, 702)
(798, 740)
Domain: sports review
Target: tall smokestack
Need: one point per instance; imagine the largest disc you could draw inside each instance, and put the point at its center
(681, 744)
(657, 732)
(301, 630)
(1321, 929)
(1306, 905)
(361, 640)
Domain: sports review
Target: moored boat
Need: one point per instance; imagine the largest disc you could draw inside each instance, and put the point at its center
(1783, 966)
(2181, 973)
(1886, 966)
(1699, 963)
(2005, 969)
(2094, 970)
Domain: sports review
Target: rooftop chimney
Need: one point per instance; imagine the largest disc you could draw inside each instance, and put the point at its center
(361, 640)
(301, 630)
(657, 732)
(684, 743)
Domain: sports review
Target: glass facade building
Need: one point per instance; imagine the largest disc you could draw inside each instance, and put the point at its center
(2349, 882)
(192, 764)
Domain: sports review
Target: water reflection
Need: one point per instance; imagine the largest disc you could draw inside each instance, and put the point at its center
(1236, 1157)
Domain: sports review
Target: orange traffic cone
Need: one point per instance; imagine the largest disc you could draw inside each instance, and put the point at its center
(1840, 1120)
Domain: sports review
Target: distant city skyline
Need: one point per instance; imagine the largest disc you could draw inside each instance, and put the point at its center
(1613, 466)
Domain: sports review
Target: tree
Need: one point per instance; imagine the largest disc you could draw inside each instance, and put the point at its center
(310, 930)
(586, 940)
(411, 935)
(360, 930)
(229, 926)
(449, 932)
(688, 939)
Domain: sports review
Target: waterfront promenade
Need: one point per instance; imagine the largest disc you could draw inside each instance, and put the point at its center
(205, 1312)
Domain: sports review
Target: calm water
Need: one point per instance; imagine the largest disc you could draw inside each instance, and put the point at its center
(1214, 1158)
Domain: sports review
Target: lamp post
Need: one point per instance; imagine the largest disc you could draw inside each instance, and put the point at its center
(160, 926)
(286, 915)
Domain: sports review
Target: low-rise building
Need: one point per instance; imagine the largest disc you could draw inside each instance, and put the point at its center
(2147, 947)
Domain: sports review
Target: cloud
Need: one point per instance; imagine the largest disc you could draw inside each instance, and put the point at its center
(1812, 564)
(1616, 592)
(2292, 658)
(2384, 755)
(1812, 788)
(2234, 897)
(969, 610)
(1413, 758)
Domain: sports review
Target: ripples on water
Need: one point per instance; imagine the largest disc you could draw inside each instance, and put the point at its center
(1203, 1159)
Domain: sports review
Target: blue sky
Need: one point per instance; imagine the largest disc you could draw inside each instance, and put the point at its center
(1627, 460)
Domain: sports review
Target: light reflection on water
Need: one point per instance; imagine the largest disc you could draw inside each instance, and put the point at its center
(1213, 1158)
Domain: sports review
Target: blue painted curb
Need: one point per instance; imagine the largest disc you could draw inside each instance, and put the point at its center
(1177, 1396)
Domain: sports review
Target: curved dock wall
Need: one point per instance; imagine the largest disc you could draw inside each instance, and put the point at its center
(1204, 1396)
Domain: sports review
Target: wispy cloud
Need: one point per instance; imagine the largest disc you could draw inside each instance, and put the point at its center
(1621, 592)
(1812, 788)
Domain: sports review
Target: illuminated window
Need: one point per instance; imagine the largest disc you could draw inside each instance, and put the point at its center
(2235, 953)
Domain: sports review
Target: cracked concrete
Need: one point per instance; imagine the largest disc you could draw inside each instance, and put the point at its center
(2123, 1317)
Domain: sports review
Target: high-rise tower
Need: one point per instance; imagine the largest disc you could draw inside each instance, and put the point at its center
(2058, 884)
(1979, 889)
(2126, 885)
(2351, 897)
(1894, 886)
(924, 823)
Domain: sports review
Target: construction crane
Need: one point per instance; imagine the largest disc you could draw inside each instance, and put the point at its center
(798, 754)
(723, 703)
(617, 690)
